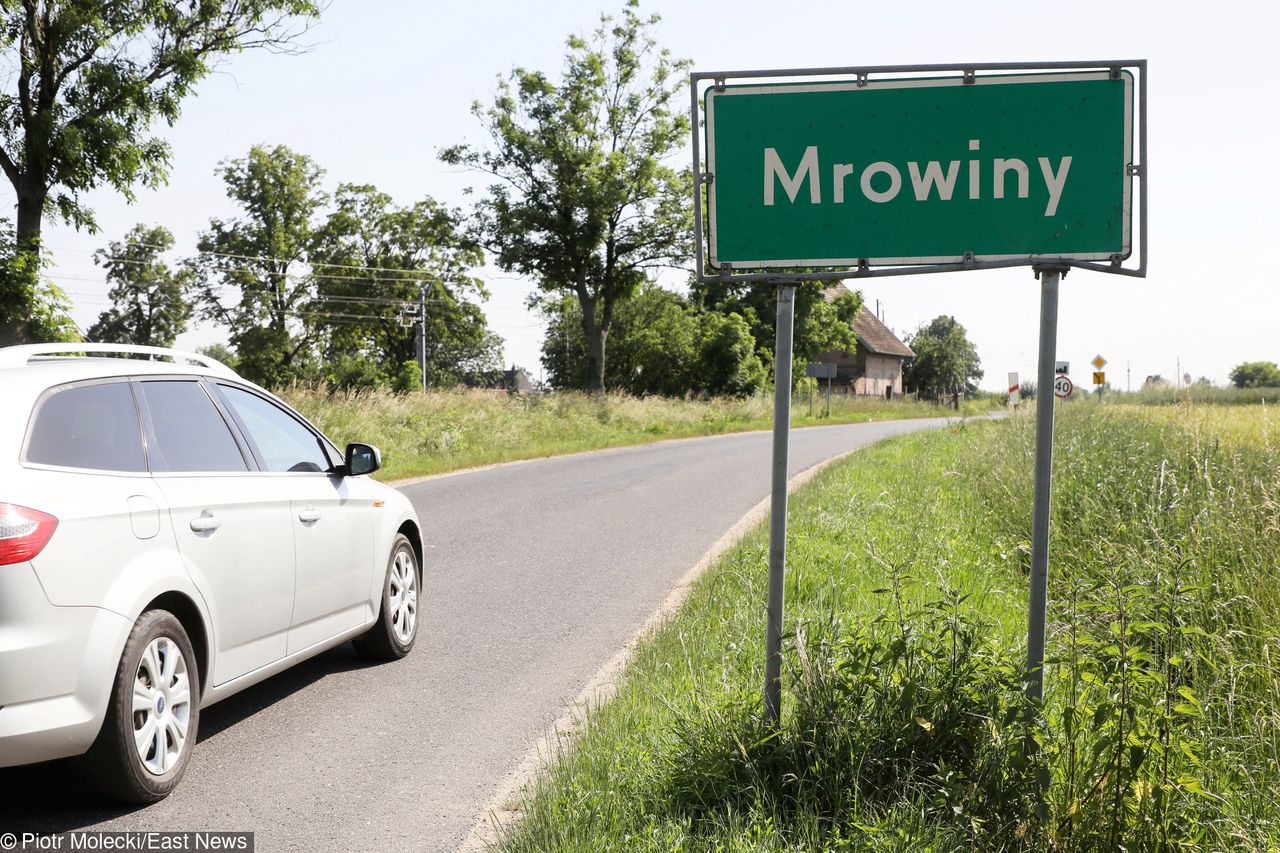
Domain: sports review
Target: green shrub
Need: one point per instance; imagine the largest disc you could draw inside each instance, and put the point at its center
(922, 705)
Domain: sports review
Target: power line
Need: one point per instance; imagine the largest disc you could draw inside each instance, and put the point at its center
(265, 258)
(409, 276)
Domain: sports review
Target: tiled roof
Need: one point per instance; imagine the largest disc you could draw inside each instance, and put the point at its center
(873, 335)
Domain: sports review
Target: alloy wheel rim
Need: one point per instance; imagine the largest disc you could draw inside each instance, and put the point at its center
(161, 706)
(403, 602)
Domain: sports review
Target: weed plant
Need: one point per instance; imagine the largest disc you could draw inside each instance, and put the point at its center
(1163, 714)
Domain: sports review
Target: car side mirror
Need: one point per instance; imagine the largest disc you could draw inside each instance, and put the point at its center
(362, 459)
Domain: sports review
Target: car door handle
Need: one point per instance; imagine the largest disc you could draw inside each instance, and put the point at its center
(309, 515)
(206, 524)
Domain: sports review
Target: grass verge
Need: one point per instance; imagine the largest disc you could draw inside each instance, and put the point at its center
(903, 724)
(447, 430)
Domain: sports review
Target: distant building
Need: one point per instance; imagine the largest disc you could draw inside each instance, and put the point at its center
(513, 381)
(517, 381)
(875, 370)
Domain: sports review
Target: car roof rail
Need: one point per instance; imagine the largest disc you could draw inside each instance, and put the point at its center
(22, 355)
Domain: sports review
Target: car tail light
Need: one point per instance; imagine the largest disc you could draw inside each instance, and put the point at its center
(23, 533)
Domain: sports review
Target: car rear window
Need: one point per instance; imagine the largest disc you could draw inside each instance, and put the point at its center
(88, 426)
(190, 434)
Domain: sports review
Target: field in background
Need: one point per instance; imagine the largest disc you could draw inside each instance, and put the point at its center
(447, 430)
(1199, 395)
(903, 720)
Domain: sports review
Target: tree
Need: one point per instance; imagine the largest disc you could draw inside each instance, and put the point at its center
(823, 317)
(45, 309)
(946, 362)
(86, 80)
(583, 203)
(1256, 374)
(368, 259)
(219, 352)
(263, 256)
(148, 299)
(728, 364)
(661, 345)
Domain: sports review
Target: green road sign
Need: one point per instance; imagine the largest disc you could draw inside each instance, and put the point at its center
(920, 171)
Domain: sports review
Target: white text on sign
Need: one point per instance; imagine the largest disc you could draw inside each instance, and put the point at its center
(933, 180)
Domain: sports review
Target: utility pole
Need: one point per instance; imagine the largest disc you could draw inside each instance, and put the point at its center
(422, 333)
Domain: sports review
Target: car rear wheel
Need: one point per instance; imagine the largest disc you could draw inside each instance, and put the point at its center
(392, 636)
(150, 730)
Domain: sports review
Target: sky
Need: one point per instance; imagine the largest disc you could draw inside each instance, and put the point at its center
(386, 85)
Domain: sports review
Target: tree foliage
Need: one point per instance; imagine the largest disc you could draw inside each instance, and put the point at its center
(582, 201)
(946, 361)
(314, 288)
(86, 79)
(370, 253)
(261, 257)
(28, 300)
(220, 353)
(1256, 374)
(661, 345)
(820, 324)
(149, 304)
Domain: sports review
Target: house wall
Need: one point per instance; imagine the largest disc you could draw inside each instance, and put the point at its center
(872, 373)
(880, 373)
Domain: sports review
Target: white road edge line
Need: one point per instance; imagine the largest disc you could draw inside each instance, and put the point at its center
(503, 810)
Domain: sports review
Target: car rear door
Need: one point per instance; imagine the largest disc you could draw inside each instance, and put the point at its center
(233, 525)
(84, 462)
(332, 517)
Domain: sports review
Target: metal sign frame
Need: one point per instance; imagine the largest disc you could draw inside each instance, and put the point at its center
(860, 76)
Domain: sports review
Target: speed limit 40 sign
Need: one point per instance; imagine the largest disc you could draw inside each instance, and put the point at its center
(1063, 386)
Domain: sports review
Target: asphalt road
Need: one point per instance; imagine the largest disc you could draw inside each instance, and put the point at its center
(537, 573)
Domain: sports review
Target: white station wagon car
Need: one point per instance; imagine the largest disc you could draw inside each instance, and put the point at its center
(171, 534)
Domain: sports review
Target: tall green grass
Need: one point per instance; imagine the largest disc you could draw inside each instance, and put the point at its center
(447, 430)
(1199, 395)
(904, 724)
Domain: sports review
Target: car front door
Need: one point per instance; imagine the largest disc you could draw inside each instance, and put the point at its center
(233, 526)
(332, 520)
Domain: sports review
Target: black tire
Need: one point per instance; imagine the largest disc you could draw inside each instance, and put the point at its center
(115, 764)
(391, 637)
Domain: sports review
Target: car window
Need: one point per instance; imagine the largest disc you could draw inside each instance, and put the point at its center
(285, 444)
(90, 426)
(190, 433)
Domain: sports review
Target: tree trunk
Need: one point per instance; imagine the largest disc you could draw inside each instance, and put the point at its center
(595, 361)
(30, 218)
(15, 326)
(595, 335)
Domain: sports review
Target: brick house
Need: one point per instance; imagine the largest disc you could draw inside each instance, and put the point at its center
(875, 370)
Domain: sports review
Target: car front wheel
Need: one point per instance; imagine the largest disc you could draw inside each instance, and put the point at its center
(392, 636)
(150, 730)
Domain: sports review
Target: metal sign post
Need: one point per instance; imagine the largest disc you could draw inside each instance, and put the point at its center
(778, 503)
(1049, 278)
(820, 371)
